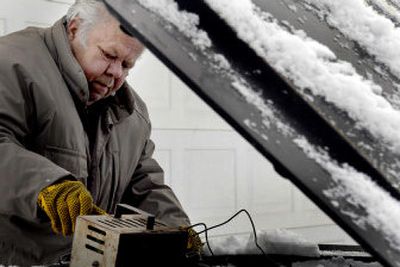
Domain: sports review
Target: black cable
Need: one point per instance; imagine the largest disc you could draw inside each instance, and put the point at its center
(254, 232)
(231, 218)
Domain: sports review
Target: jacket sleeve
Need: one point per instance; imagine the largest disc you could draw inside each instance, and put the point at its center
(23, 173)
(148, 192)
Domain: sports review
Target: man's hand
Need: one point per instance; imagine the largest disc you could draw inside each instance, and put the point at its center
(64, 202)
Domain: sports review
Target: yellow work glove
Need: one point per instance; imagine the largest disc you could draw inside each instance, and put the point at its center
(64, 202)
(194, 242)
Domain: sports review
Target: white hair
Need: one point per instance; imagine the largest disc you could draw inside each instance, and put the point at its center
(90, 12)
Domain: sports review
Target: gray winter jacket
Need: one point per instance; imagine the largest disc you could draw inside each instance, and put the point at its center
(44, 126)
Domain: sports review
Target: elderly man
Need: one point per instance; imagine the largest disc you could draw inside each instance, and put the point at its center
(74, 137)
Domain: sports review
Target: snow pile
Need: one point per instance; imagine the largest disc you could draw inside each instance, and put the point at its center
(267, 111)
(185, 22)
(278, 241)
(229, 245)
(311, 65)
(284, 242)
(361, 23)
(382, 211)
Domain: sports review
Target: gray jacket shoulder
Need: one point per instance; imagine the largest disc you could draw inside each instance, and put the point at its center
(22, 47)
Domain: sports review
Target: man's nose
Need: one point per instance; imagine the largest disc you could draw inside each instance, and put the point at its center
(115, 69)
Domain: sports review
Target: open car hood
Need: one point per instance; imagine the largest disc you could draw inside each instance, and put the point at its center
(344, 164)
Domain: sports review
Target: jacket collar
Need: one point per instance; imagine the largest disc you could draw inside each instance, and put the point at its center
(117, 107)
(57, 40)
(120, 105)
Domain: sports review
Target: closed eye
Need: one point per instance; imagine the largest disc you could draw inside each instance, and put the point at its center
(108, 55)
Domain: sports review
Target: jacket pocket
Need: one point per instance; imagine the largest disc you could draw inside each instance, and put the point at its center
(68, 159)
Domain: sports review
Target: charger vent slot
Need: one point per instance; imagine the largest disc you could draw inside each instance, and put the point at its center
(123, 223)
(98, 251)
(96, 230)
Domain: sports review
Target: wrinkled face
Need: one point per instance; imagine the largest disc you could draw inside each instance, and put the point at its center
(106, 56)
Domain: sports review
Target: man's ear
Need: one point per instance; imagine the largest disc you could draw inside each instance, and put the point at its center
(73, 27)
